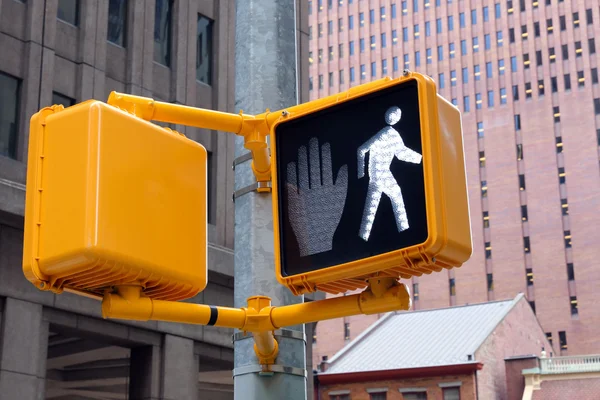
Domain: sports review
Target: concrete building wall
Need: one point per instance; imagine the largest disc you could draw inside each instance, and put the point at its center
(527, 212)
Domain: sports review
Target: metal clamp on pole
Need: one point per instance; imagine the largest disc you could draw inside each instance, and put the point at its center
(269, 370)
(260, 187)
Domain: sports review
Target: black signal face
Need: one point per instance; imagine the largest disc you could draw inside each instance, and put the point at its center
(351, 182)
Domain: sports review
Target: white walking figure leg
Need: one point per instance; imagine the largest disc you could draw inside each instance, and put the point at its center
(373, 198)
(395, 195)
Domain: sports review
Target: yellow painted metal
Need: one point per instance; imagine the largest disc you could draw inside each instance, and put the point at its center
(106, 193)
(449, 242)
(253, 129)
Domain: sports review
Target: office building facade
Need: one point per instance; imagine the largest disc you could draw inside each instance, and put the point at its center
(524, 73)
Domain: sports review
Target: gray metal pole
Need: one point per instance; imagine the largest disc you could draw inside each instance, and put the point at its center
(265, 77)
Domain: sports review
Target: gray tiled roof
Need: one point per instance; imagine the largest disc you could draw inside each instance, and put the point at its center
(425, 338)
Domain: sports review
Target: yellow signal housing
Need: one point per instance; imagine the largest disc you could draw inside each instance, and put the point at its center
(113, 200)
(448, 243)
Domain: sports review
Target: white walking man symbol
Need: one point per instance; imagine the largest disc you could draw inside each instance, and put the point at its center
(384, 146)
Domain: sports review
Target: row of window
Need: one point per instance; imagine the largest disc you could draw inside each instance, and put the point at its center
(562, 337)
(450, 24)
(69, 11)
(448, 393)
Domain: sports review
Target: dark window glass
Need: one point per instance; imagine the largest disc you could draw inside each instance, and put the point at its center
(574, 308)
(204, 52)
(452, 393)
(497, 10)
(346, 331)
(567, 235)
(452, 287)
(554, 84)
(524, 215)
(541, 88)
(117, 17)
(592, 46)
(549, 25)
(519, 151)
(570, 271)
(594, 75)
(10, 93)
(567, 78)
(563, 23)
(68, 11)
(536, 29)
(526, 244)
(565, 52)
(538, 57)
(532, 304)
(556, 114)
(529, 276)
(511, 35)
(562, 337)
(515, 92)
(65, 101)
(580, 79)
(518, 125)
(162, 31)
(597, 106)
(552, 54)
(588, 16)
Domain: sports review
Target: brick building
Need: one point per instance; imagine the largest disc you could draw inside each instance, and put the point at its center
(450, 353)
(524, 74)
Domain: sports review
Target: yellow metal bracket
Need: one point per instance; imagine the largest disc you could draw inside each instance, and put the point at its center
(383, 294)
(254, 129)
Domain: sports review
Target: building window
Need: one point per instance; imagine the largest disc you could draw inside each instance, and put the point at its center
(541, 89)
(462, 19)
(373, 45)
(394, 37)
(490, 94)
(552, 55)
(565, 51)
(450, 23)
(320, 81)
(480, 135)
(532, 305)
(499, 40)
(341, 78)
(567, 79)
(361, 19)
(452, 287)
(570, 271)
(384, 69)
(204, 50)
(352, 78)
(549, 337)
(517, 122)
(564, 206)
(453, 77)
(363, 72)
(465, 75)
(452, 393)
(475, 44)
(428, 56)
(592, 46)
(65, 101)
(563, 23)
(340, 25)
(536, 29)
(68, 11)
(528, 90)
(351, 22)
(578, 49)
(594, 75)
(488, 68)
(466, 104)
(339, 397)
(362, 45)
(451, 50)
(463, 47)
(415, 291)
(351, 48)
(346, 331)
(490, 282)
(417, 58)
(511, 35)
(406, 61)
(473, 17)
(574, 309)
(556, 114)
(310, 83)
(488, 245)
(117, 17)
(567, 235)
(554, 84)
(405, 34)
(441, 82)
(395, 66)
(477, 72)
(10, 91)
(497, 10)
(575, 20)
(515, 92)
(501, 66)
(378, 396)
(580, 79)
(440, 53)
(562, 337)
(330, 80)
(438, 25)
(393, 11)
(478, 101)
(427, 29)
(340, 50)
(330, 27)
(487, 41)
(414, 395)
(549, 25)
(371, 16)
(519, 152)
(162, 32)
(502, 95)
(486, 219)
(382, 13)
(513, 64)
(538, 58)
(416, 30)
(383, 40)
(526, 61)
(529, 276)
(524, 215)
(405, 7)
(527, 244)
(524, 33)
(521, 182)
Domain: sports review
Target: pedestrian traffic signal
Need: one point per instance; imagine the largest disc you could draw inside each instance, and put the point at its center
(369, 182)
(113, 200)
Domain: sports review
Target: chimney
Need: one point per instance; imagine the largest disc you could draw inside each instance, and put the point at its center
(324, 364)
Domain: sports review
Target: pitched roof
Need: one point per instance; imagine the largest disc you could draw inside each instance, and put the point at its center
(417, 339)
